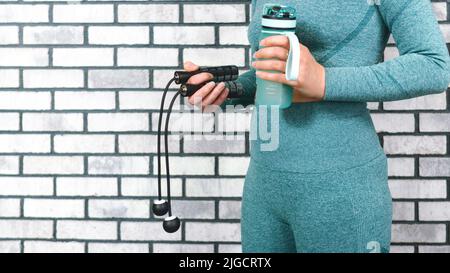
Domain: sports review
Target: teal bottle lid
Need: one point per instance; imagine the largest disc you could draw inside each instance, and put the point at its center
(278, 16)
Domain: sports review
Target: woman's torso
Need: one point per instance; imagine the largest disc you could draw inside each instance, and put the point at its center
(325, 136)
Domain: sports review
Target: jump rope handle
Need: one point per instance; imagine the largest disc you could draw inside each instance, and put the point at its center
(235, 89)
(220, 73)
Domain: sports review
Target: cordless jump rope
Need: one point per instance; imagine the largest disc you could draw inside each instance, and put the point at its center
(227, 74)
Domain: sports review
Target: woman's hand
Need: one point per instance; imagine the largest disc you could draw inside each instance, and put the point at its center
(310, 84)
(209, 94)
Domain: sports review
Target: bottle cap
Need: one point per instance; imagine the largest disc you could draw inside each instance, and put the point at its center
(278, 16)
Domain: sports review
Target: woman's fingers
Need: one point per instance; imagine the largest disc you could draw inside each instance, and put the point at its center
(273, 65)
(201, 93)
(275, 40)
(214, 94)
(276, 77)
(198, 78)
(273, 52)
(222, 97)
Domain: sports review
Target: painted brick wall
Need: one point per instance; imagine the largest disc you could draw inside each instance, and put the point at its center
(80, 83)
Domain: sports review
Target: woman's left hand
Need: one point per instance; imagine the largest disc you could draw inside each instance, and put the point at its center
(310, 84)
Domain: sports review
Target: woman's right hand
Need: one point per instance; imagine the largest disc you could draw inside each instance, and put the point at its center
(209, 94)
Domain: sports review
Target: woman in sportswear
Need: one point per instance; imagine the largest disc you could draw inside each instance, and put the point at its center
(324, 189)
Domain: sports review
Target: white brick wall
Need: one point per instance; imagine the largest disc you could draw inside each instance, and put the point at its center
(80, 87)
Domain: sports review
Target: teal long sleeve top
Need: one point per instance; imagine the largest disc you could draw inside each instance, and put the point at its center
(348, 38)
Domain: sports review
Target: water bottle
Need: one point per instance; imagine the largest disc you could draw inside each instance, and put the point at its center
(279, 20)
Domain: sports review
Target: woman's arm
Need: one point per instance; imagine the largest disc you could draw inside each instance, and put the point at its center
(422, 67)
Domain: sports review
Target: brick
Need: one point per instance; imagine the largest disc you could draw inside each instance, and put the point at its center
(144, 100)
(139, 144)
(187, 122)
(86, 186)
(403, 211)
(402, 249)
(10, 207)
(414, 188)
(147, 231)
(9, 246)
(119, 209)
(217, 232)
(233, 165)
(147, 57)
(139, 186)
(22, 229)
(233, 35)
(183, 248)
(418, 233)
(393, 123)
(199, 165)
(49, 78)
(230, 209)
(230, 248)
(53, 165)
(9, 121)
(9, 35)
(117, 122)
(24, 143)
(86, 230)
(118, 248)
(85, 100)
(233, 122)
(434, 249)
(31, 57)
(53, 247)
(9, 165)
(434, 211)
(83, 13)
(79, 57)
(84, 143)
(230, 13)
(23, 100)
(166, 13)
(118, 165)
(120, 78)
(52, 122)
(440, 11)
(190, 209)
(160, 79)
(214, 56)
(53, 208)
(53, 35)
(415, 144)
(183, 35)
(429, 102)
(437, 122)
(24, 13)
(391, 53)
(400, 166)
(214, 187)
(434, 166)
(26, 186)
(214, 144)
(373, 105)
(119, 35)
(9, 78)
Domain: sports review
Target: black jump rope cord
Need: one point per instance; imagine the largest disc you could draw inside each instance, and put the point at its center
(166, 143)
(161, 110)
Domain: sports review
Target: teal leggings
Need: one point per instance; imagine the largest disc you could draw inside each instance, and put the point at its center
(338, 211)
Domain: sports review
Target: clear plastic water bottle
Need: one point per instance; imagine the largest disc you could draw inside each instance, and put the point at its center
(279, 20)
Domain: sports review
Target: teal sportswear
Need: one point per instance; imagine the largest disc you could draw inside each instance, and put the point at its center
(324, 189)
